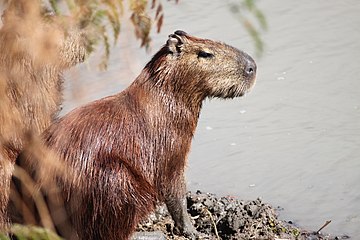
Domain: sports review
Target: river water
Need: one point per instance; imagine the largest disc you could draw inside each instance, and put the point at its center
(294, 140)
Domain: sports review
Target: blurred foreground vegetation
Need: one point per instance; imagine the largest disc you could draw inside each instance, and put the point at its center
(30, 233)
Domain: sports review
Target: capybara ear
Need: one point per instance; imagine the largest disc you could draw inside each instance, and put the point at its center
(180, 33)
(175, 41)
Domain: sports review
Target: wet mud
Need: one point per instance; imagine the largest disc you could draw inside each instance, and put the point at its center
(229, 218)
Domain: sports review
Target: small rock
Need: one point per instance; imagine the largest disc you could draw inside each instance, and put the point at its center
(149, 236)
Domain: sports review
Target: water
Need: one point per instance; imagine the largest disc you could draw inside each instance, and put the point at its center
(294, 140)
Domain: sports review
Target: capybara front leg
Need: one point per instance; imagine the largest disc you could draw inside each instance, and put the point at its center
(177, 206)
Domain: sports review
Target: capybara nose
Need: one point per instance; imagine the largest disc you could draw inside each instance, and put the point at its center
(250, 67)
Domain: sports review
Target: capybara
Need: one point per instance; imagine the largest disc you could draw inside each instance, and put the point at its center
(35, 48)
(128, 151)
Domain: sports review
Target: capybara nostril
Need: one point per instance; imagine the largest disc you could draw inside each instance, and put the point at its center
(250, 68)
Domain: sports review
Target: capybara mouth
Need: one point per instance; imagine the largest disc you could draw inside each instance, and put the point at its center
(249, 76)
(246, 77)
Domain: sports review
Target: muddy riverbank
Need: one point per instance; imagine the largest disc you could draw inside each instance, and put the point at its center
(230, 218)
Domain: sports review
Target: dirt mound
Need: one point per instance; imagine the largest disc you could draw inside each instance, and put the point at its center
(229, 218)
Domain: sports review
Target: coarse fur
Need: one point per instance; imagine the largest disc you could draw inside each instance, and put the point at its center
(34, 50)
(129, 150)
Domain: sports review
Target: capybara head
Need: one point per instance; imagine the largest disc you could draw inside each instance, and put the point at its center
(30, 30)
(206, 67)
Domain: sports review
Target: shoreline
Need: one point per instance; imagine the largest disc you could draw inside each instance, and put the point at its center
(231, 218)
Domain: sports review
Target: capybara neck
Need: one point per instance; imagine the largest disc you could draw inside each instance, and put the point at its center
(171, 83)
(167, 96)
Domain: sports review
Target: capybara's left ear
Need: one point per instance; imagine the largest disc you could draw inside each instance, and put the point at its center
(175, 42)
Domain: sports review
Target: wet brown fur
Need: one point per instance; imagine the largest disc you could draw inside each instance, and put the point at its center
(129, 150)
(34, 50)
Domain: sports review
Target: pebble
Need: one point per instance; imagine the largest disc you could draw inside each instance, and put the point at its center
(149, 236)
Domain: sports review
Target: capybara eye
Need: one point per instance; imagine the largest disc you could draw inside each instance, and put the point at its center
(202, 54)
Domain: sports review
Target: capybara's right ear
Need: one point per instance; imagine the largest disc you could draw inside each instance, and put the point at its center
(174, 44)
